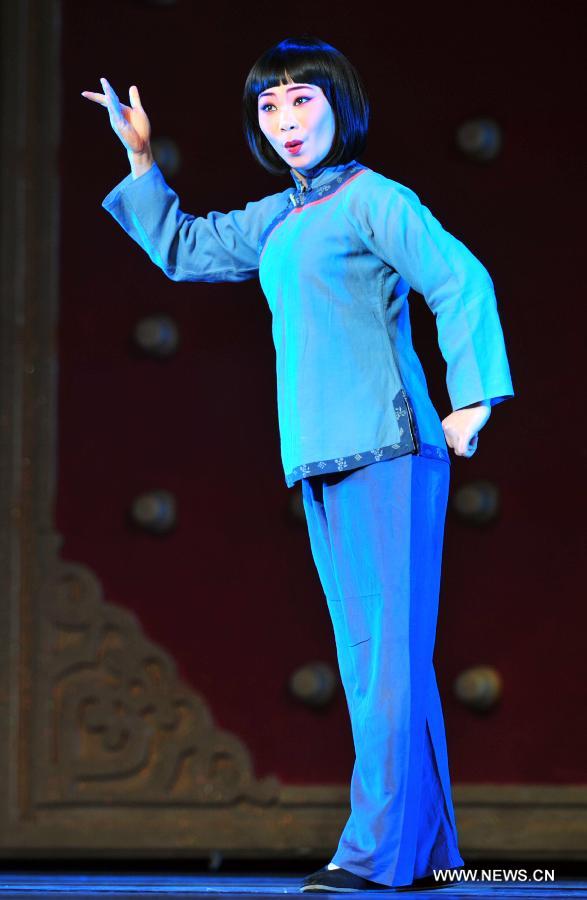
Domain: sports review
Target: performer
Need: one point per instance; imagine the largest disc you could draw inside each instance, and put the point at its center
(336, 255)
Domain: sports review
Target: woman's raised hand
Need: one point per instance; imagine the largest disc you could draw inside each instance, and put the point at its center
(129, 123)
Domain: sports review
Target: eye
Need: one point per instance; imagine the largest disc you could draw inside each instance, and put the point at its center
(265, 106)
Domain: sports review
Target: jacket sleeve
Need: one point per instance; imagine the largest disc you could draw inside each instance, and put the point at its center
(217, 247)
(456, 286)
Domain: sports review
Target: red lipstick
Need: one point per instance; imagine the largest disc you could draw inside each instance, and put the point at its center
(293, 146)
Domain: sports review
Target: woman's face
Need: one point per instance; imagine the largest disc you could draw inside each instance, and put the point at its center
(297, 112)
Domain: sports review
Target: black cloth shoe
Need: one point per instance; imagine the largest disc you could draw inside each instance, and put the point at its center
(310, 878)
(340, 880)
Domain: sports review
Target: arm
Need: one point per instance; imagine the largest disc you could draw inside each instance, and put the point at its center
(217, 247)
(456, 287)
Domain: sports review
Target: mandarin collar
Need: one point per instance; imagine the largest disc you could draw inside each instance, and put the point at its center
(320, 175)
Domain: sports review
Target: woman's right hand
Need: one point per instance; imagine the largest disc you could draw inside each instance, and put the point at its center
(129, 123)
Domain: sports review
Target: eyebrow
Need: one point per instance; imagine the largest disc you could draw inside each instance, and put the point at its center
(295, 88)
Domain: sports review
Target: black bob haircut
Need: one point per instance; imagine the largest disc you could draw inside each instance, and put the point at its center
(308, 60)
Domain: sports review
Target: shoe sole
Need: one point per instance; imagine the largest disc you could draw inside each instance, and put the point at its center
(339, 890)
(342, 890)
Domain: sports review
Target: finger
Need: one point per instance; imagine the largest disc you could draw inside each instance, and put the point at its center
(466, 443)
(109, 90)
(448, 438)
(112, 99)
(96, 98)
(133, 96)
(472, 446)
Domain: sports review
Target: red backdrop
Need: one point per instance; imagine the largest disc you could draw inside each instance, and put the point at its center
(232, 593)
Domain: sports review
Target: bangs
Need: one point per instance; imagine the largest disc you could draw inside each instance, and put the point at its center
(294, 61)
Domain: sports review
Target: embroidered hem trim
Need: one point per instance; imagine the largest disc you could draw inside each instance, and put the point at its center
(409, 442)
(346, 463)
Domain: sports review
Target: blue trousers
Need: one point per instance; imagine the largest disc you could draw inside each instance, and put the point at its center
(376, 535)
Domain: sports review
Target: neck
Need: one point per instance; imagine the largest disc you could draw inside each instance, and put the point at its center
(302, 178)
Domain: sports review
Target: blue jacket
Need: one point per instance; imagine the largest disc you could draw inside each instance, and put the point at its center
(336, 262)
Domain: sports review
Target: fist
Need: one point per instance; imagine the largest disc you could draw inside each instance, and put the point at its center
(461, 428)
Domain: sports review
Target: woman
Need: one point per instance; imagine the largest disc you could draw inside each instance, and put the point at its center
(336, 258)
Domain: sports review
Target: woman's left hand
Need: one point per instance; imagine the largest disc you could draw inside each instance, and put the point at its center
(461, 427)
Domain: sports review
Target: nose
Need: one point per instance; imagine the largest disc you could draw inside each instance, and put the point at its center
(286, 120)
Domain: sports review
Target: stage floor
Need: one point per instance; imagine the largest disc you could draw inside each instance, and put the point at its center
(20, 883)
